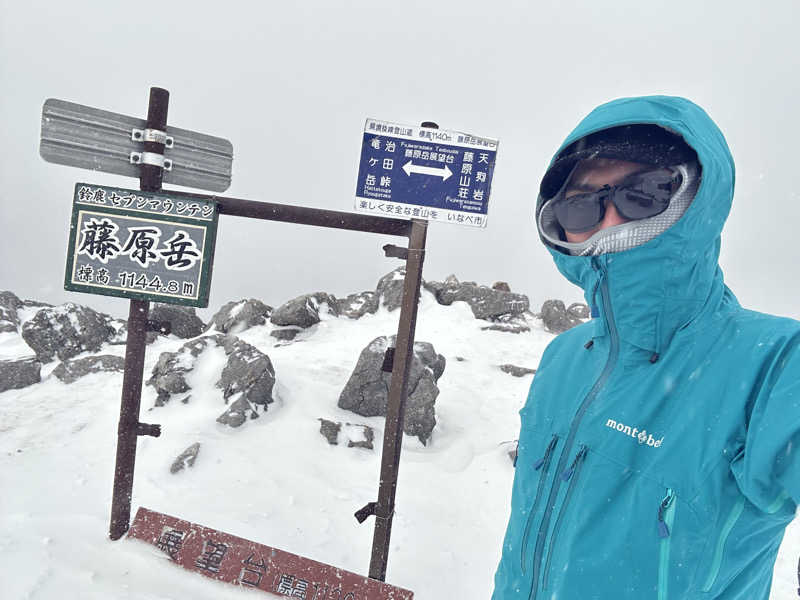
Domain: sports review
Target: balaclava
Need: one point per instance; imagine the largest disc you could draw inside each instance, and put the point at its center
(641, 143)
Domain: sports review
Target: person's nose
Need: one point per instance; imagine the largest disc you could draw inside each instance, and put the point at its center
(612, 216)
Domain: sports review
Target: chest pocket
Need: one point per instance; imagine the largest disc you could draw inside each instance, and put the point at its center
(536, 457)
(625, 533)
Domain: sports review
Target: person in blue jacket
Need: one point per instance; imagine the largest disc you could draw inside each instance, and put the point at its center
(659, 450)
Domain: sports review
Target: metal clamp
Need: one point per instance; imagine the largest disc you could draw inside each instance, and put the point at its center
(147, 429)
(392, 251)
(151, 158)
(152, 135)
(388, 360)
(362, 514)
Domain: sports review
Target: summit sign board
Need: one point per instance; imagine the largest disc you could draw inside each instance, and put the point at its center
(155, 246)
(425, 173)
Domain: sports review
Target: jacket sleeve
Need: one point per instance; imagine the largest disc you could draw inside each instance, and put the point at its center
(769, 470)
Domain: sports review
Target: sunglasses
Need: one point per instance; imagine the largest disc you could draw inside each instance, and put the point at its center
(638, 196)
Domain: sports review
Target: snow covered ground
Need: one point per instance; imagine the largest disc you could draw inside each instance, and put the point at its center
(274, 480)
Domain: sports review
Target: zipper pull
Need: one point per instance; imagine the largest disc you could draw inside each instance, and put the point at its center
(568, 472)
(663, 530)
(538, 464)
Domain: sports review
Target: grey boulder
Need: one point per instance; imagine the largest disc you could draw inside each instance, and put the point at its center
(9, 304)
(485, 302)
(555, 317)
(66, 331)
(70, 371)
(304, 310)
(367, 390)
(389, 292)
(184, 323)
(357, 305)
(235, 317)
(247, 372)
(17, 374)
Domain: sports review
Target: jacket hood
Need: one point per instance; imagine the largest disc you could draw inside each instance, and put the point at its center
(665, 284)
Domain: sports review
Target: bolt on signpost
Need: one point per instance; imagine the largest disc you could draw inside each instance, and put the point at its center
(167, 253)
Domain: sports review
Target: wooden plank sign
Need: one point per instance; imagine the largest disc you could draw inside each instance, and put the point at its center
(232, 559)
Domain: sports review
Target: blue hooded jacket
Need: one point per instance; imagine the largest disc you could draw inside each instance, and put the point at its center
(661, 461)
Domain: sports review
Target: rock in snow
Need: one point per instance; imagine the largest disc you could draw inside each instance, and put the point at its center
(185, 458)
(367, 390)
(16, 374)
(555, 317)
(184, 323)
(66, 331)
(248, 373)
(235, 317)
(303, 311)
(70, 371)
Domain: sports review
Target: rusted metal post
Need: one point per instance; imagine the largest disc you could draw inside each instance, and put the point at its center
(129, 427)
(396, 409)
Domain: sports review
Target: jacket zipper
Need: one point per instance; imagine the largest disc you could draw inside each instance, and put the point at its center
(570, 474)
(601, 381)
(666, 515)
(543, 463)
(734, 515)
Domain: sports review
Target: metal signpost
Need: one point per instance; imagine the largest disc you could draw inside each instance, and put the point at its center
(158, 245)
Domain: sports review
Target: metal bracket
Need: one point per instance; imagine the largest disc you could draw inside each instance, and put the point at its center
(392, 251)
(152, 135)
(151, 158)
(388, 360)
(147, 429)
(362, 514)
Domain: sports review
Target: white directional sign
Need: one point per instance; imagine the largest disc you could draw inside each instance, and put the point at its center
(425, 173)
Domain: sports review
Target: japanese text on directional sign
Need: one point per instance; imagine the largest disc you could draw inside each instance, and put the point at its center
(425, 173)
(144, 245)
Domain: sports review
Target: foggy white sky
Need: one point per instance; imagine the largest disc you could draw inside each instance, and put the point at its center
(290, 85)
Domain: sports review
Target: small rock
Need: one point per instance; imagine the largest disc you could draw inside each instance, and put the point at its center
(501, 286)
(285, 333)
(71, 370)
(237, 413)
(9, 305)
(185, 458)
(363, 434)
(579, 310)
(330, 429)
(17, 374)
(517, 371)
(357, 305)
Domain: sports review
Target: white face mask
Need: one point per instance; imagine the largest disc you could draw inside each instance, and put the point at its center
(625, 236)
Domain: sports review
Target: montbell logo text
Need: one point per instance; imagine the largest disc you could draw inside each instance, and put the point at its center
(642, 436)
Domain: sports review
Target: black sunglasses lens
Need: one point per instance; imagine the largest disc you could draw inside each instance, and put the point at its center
(579, 213)
(633, 204)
